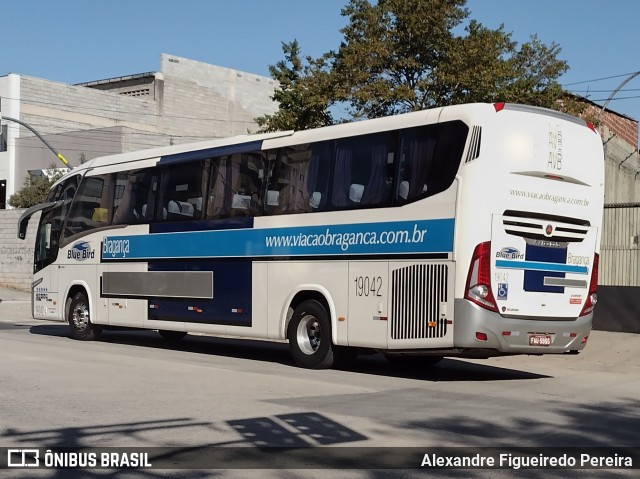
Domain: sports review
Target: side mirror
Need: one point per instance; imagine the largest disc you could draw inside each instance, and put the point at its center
(23, 222)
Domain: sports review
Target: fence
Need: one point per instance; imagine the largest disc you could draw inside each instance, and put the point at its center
(619, 270)
(619, 253)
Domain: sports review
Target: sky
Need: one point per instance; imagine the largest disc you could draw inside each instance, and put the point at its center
(75, 41)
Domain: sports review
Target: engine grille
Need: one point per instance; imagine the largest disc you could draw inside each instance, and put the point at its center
(417, 292)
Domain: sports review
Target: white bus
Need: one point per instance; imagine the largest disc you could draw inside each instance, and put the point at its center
(463, 231)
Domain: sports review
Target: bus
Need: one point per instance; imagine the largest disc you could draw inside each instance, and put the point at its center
(463, 231)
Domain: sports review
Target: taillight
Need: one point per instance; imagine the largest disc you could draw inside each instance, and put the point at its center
(499, 106)
(478, 287)
(592, 297)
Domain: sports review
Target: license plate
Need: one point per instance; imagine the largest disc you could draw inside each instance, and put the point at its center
(539, 340)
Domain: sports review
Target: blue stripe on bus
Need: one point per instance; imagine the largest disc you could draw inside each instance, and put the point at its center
(541, 266)
(397, 237)
(211, 152)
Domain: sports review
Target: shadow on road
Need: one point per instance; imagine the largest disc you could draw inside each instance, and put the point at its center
(449, 370)
(283, 441)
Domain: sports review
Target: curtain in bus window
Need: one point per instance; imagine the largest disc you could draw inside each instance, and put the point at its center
(312, 179)
(376, 190)
(247, 172)
(219, 202)
(418, 147)
(342, 177)
(288, 190)
(134, 197)
(318, 174)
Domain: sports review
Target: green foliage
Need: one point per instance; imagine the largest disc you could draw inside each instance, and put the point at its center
(406, 55)
(35, 189)
(301, 95)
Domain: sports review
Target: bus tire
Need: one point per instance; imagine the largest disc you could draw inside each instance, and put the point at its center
(79, 319)
(309, 336)
(172, 337)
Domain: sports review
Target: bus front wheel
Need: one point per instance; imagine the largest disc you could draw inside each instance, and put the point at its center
(80, 320)
(310, 336)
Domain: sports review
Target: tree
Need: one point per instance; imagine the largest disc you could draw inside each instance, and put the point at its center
(301, 93)
(35, 188)
(406, 55)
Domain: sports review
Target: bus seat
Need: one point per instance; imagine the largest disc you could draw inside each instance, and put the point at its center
(240, 201)
(403, 190)
(314, 201)
(196, 202)
(272, 197)
(355, 192)
(182, 208)
(100, 215)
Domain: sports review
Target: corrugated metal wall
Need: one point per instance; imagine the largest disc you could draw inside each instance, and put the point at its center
(619, 250)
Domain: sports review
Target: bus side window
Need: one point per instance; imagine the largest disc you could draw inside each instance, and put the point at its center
(429, 159)
(181, 191)
(417, 149)
(91, 206)
(363, 173)
(288, 189)
(247, 175)
(66, 193)
(134, 197)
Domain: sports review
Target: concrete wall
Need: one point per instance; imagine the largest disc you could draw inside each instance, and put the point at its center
(208, 101)
(622, 181)
(16, 255)
(32, 154)
(186, 101)
(53, 107)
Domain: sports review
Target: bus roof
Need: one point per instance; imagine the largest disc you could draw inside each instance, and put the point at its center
(284, 138)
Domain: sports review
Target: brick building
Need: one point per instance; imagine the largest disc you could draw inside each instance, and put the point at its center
(184, 101)
(622, 165)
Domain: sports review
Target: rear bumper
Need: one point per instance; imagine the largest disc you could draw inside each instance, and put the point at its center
(511, 335)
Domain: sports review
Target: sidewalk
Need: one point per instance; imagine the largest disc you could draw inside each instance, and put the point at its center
(8, 294)
(15, 305)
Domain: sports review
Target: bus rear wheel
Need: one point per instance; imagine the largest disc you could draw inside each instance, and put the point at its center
(310, 336)
(79, 319)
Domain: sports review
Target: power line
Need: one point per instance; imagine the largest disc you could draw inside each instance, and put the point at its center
(619, 98)
(588, 90)
(598, 79)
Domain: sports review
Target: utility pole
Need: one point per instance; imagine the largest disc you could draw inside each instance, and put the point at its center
(35, 132)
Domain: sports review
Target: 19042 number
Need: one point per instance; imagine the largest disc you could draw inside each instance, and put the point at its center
(368, 285)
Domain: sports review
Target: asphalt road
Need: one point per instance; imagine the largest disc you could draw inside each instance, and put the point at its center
(133, 390)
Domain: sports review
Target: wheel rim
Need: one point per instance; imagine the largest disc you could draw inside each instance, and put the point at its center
(80, 316)
(309, 334)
